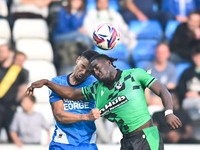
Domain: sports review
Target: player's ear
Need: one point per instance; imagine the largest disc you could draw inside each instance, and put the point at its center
(79, 57)
(108, 62)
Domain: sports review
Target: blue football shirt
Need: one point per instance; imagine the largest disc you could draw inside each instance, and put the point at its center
(83, 132)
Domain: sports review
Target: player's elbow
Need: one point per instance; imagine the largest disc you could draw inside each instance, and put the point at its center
(58, 115)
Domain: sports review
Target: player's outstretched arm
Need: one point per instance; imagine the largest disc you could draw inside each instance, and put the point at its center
(164, 94)
(62, 91)
(68, 117)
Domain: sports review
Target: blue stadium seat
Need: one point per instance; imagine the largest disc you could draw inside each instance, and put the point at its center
(198, 4)
(113, 4)
(142, 64)
(164, 5)
(144, 50)
(181, 67)
(147, 29)
(170, 29)
(90, 4)
(122, 65)
(120, 52)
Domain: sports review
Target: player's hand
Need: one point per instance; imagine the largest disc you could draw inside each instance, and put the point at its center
(173, 121)
(94, 114)
(37, 84)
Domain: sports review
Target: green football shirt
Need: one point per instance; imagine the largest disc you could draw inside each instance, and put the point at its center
(124, 101)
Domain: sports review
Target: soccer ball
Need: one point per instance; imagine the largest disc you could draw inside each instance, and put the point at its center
(106, 36)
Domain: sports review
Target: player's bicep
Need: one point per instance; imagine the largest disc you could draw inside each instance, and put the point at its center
(57, 106)
(160, 90)
(156, 87)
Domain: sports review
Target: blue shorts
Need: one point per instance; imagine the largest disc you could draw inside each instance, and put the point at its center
(60, 146)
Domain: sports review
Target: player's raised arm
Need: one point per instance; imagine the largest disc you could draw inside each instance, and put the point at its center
(62, 91)
(164, 94)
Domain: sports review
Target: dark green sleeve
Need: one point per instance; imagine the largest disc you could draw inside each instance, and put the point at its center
(89, 92)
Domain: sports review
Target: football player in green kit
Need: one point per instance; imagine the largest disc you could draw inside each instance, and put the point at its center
(120, 98)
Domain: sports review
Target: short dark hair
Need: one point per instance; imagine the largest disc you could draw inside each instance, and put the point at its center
(100, 56)
(88, 54)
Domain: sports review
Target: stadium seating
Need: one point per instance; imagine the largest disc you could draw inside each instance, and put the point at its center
(45, 109)
(144, 51)
(30, 28)
(122, 65)
(170, 29)
(40, 69)
(42, 95)
(120, 52)
(90, 4)
(113, 4)
(3, 41)
(3, 8)
(141, 64)
(5, 32)
(18, 6)
(35, 49)
(147, 29)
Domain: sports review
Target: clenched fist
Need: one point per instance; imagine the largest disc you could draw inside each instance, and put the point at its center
(94, 114)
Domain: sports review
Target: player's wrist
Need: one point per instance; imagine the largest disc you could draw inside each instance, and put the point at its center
(168, 112)
(46, 81)
(84, 117)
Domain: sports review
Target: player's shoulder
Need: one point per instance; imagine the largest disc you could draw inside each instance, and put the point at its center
(92, 78)
(58, 79)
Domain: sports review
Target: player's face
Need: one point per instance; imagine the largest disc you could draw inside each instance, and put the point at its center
(81, 71)
(100, 69)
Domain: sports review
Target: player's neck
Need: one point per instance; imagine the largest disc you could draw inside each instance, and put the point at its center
(113, 74)
(73, 80)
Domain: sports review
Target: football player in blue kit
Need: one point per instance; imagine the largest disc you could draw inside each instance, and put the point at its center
(75, 128)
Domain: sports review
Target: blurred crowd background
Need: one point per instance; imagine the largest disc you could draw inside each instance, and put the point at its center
(42, 38)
